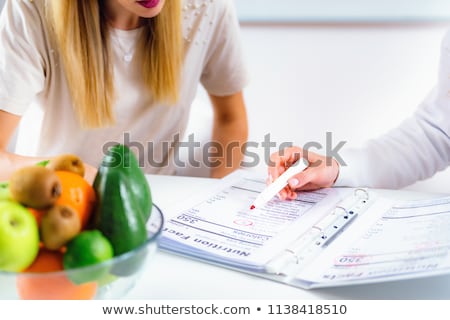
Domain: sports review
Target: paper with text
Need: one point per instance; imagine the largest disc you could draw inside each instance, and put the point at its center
(330, 237)
(411, 237)
(223, 229)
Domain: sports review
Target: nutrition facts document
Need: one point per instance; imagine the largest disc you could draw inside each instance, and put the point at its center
(331, 237)
(223, 226)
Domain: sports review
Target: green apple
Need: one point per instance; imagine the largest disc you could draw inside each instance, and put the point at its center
(19, 237)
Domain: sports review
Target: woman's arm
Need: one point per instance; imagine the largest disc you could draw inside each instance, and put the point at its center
(10, 161)
(230, 131)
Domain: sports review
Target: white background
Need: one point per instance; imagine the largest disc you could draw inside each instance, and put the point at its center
(343, 10)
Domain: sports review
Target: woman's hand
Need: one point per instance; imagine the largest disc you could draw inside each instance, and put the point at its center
(322, 171)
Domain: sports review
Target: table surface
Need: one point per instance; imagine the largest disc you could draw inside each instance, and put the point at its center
(174, 277)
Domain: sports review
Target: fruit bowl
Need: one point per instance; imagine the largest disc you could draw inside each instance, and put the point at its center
(111, 279)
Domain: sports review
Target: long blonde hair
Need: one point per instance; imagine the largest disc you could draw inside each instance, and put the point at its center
(81, 33)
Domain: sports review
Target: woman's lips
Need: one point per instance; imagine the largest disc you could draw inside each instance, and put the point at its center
(149, 3)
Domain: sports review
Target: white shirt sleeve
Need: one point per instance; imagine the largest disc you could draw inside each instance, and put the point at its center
(415, 150)
(224, 72)
(22, 57)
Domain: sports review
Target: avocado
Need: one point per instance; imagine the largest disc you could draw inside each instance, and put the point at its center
(122, 209)
(120, 158)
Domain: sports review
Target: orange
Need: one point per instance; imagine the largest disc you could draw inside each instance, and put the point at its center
(48, 285)
(77, 193)
(38, 214)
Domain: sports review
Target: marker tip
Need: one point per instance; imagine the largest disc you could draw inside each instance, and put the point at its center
(252, 207)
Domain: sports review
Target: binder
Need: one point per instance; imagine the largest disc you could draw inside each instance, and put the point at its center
(309, 244)
(330, 237)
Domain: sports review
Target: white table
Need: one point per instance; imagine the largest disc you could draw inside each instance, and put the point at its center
(174, 277)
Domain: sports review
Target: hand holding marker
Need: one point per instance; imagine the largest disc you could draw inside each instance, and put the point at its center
(276, 186)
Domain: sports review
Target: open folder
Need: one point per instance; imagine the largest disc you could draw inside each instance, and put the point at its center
(329, 237)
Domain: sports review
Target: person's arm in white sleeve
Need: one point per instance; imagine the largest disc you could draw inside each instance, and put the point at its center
(415, 150)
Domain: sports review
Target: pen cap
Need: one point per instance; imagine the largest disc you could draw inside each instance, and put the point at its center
(298, 166)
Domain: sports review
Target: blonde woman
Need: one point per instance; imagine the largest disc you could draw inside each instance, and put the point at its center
(79, 75)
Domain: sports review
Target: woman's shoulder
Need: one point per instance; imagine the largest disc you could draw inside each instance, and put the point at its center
(26, 6)
(26, 11)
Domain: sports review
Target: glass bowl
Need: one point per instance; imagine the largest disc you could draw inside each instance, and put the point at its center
(111, 279)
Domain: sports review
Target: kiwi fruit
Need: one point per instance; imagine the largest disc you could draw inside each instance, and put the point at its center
(67, 162)
(59, 225)
(34, 186)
